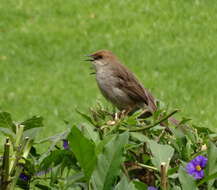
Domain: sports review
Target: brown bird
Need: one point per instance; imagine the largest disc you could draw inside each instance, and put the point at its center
(119, 85)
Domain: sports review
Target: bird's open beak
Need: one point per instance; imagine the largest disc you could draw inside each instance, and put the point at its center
(90, 58)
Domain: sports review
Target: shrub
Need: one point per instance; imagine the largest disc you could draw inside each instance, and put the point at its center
(105, 153)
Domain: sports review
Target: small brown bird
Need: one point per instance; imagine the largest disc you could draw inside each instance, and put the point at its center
(119, 85)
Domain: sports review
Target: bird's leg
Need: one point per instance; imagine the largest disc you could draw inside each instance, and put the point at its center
(116, 118)
(119, 115)
(124, 112)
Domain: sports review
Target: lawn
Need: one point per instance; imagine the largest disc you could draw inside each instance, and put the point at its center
(170, 45)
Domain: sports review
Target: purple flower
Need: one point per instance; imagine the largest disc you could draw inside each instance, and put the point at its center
(152, 188)
(195, 167)
(24, 177)
(65, 144)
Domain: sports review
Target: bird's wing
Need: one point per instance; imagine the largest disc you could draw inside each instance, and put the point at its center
(129, 84)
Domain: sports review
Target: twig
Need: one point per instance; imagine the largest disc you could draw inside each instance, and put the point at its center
(149, 126)
(147, 166)
(161, 134)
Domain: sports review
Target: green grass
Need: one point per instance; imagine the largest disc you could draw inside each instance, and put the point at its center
(170, 45)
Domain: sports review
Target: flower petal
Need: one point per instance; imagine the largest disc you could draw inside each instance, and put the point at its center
(190, 167)
(203, 162)
(199, 174)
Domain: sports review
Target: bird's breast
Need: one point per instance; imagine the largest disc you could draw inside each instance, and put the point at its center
(108, 85)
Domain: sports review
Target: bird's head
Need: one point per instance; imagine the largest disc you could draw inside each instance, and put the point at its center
(102, 58)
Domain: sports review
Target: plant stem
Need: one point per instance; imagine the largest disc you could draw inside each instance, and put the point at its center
(163, 172)
(149, 126)
(19, 135)
(19, 154)
(17, 148)
(27, 147)
(5, 166)
(147, 166)
(16, 176)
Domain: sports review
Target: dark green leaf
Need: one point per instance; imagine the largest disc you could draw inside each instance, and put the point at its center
(33, 122)
(42, 187)
(212, 162)
(184, 121)
(85, 116)
(203, 130)
(208, 178)
(84, 150)
(139, 185)
(109, 163)
(56, 157)
(6, 121)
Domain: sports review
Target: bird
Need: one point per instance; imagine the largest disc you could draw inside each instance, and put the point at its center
(119, 85)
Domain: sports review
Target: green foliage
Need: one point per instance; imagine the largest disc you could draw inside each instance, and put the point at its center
(83, 149)
(187, 182)
(5, 120)
(125, 184)
(33, 122)
(161, 154)
(108, 153)
(170, 45)
(212, 162)
(109, 162)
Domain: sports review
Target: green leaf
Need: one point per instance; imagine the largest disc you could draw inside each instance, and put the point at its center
(211, 177)
(54, 140)
(212, 162)
(84, 150)
(203, 130)
(31, 133)
(184, 121)
(161, 153)
(33, 122)
(139, 185)
(187, 181)
(90, 133)
(100, 146)
(6, 121)
(176, 188)
(124, 184)
(7, 132)
(54, 175)
(109, 163)
(72, 179)
(85, 116)
(139, 136)
(55, 158)
(42, 187)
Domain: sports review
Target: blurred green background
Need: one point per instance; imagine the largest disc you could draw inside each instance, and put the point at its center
(170, 45)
